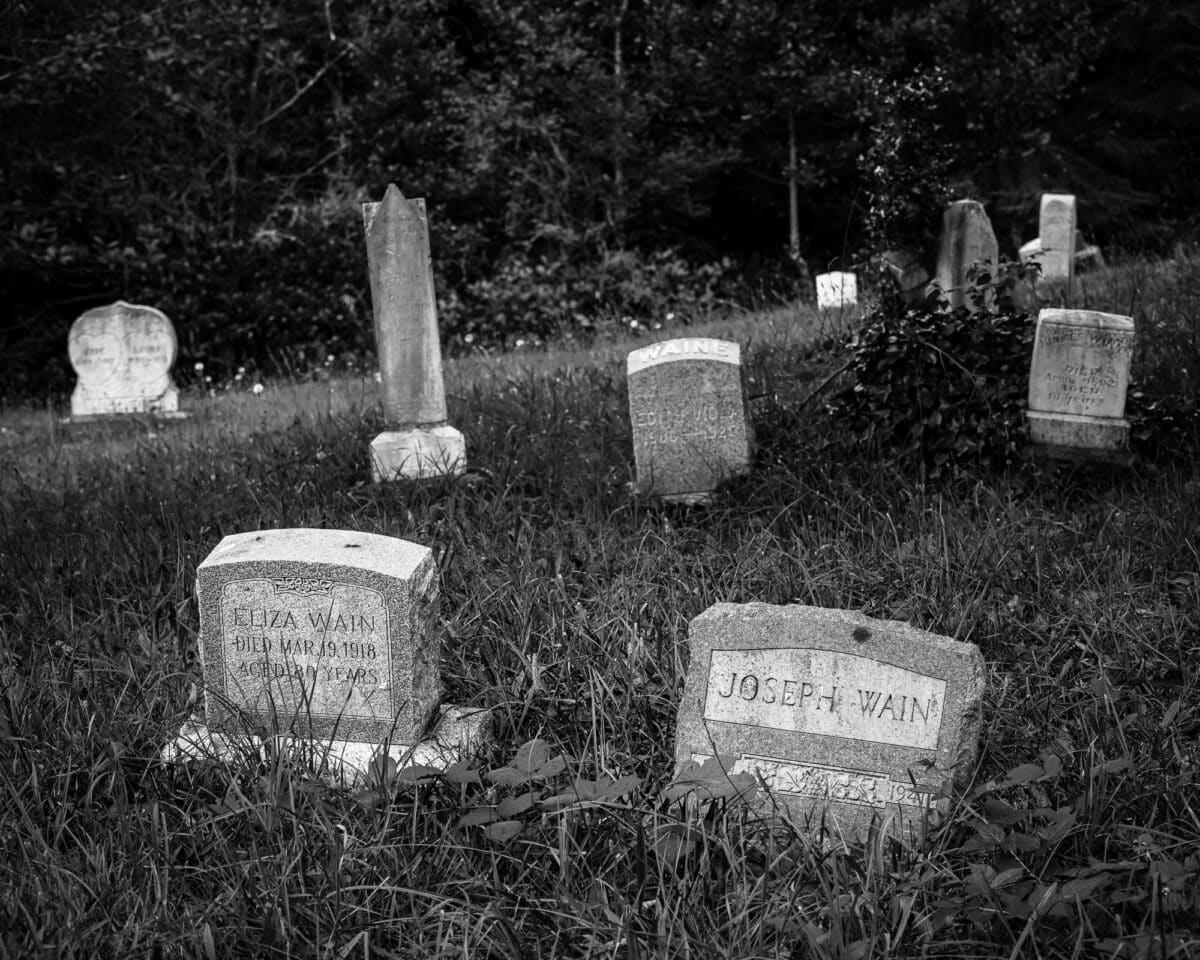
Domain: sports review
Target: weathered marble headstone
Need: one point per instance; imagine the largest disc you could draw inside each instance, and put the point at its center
(122, 354)
(691, 427)
(418, 442)
(1078, 380)
(846, 719)
(1057, 235)
(836, 290)
(967, 238)
(328, 636)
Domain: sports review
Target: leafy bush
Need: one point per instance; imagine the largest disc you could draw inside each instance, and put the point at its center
(541, 297)
(942, 388)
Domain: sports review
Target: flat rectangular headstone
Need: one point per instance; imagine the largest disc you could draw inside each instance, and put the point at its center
(1056, 230)
(845, 718)
(687, 407)
(324, 633)
(836, 290)
(1078, 380)
(123, 355)
(967, 238)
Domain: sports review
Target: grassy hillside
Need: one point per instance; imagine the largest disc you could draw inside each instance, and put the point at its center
(565, 606)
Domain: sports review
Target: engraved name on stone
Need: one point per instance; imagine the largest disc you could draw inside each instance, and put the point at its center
(321, 645)
(700, 348)
(1085, 380)
(826, 693)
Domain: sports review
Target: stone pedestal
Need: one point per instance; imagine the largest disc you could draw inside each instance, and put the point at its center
(459, 733)
(418, 453)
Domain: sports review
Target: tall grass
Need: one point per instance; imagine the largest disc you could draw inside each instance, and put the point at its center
(565, 605)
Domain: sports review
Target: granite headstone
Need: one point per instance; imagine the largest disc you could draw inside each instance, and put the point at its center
(687, 407)
(328, 636)
(846, 720)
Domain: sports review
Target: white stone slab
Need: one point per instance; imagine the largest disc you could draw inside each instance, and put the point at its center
(836, 290)
(460, 733)
(1056, 230)
(418, 453)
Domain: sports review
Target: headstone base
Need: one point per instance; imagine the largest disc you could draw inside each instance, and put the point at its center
(418, 453)
(815, 796)
(459, 733)
(1096, 435)
(84, 404)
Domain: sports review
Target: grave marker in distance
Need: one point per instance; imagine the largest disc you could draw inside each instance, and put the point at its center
(1078, 380)
(328, 636)
(967, 238)
(418, 442)
(687, 408)
(1056, 232)
(123, 354)
(836, 290)
(845, 718)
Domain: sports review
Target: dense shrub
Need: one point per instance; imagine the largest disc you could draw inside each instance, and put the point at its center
(941, 388)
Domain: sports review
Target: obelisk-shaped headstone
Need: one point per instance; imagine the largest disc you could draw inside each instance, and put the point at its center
(1057, 233)
(967, 238)
(418, 442)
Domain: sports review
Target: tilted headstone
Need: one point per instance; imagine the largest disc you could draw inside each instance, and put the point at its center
(329, 636)
(836, 290)
(1057, 235)
(122, 354)
(418, 442)
(1078, 380)
(967, 238)
(687, 407)
(844, 718)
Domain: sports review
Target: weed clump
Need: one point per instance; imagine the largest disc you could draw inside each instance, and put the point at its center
(941, 389)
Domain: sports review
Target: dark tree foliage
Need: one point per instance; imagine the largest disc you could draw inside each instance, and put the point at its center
(580, 159)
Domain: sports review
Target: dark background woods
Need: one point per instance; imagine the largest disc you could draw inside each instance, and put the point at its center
(583, 162)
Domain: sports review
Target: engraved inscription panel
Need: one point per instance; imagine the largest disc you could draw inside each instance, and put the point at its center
(1080, 370)
(306, 647)
(692, 423)
(818, 782)
(826, 693)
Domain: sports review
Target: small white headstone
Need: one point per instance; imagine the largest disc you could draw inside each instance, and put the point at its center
(122, 354)
(1078, 380)
(836, 290)
(1030, 250)
(1057, 234)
